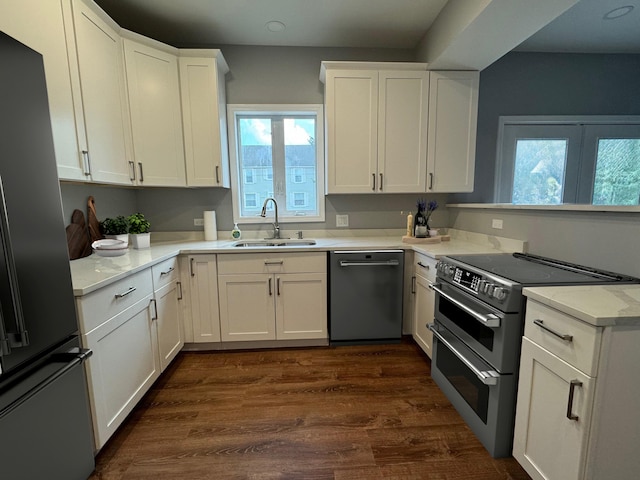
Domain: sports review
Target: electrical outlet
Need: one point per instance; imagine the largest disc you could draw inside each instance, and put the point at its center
(198, 222)
(342, 220)
(496, 223)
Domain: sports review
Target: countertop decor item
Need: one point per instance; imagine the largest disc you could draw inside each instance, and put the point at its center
(92, 220)
(109, 247)
(115, 228)
(78, 242)
(139, 228)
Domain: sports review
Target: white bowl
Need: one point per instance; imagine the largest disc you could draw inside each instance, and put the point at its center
(109, 244)
(110, 252)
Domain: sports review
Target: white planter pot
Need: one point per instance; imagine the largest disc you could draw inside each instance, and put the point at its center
(124, 237)
(140, 240)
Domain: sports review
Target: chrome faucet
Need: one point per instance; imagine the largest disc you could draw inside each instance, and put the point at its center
(263, 213)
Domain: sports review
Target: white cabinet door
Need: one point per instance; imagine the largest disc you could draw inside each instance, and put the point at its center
(351, 109)
(202, 87)
(451, 144)
(423, 314)
(301, 306)
(247, 307)
(547, 443)
(203, 292)
(123, 366)
(103, 96)
(168, 323)
(41, 26)
(156, 118)
(402, 131)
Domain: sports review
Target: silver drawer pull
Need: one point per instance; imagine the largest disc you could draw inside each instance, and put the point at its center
(167, 272)
(489, 377)
(124, 294)
(423, 265)
(489, 320)
(273, 262)
(561, 336)
(367, 263)
(572, 387)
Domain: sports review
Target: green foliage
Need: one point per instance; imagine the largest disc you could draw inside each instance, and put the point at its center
(114, 226)
(138, 224)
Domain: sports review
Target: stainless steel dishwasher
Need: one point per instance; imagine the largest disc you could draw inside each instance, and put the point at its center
(365, 296)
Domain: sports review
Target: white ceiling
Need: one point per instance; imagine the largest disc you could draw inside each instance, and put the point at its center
(356, 23)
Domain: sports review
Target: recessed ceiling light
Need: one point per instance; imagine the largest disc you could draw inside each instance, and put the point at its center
(275, 26)
(618, 12)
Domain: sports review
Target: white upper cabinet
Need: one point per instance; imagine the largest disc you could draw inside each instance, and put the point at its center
(202, 90)
(376, 127)
(154, 105)
(102, 101)
(40, 25)
(453, 113)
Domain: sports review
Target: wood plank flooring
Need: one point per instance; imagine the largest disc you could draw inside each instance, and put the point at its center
(339, 413)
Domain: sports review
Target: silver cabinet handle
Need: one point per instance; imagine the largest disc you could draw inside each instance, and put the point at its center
(424, 266)
(490, 320)
(562, 336)
(278, 286)
(374, 182)
(132, 169)
(155, 309)
(141, 172)
(431, 181)
(388, 263)
(572, 387)
(167, 272)
(179, 284)
(270, 289)
(217, 174)
(86, 163)
(124, 294)
(193, 274)
(380, 187)
(413, 284)
(273, 262)
(488, 377)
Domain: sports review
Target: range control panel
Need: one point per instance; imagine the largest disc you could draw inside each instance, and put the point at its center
(476, 282)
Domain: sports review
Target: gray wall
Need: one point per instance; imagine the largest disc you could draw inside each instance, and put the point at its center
(555, 84)
(259, 75)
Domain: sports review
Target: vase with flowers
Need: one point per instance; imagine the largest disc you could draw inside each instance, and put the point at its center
(431, 206)
(421, 218)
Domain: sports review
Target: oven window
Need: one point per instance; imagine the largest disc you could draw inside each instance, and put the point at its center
(482, 334)
(474, 392)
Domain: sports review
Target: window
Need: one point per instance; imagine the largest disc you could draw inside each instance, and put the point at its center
(554, 160)
(282, 146)
(250, 201)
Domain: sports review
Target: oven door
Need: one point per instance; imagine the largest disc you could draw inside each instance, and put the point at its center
(483, 397)
(493, 335)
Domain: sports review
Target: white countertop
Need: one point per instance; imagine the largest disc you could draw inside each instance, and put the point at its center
(599, 305)
(93, 272)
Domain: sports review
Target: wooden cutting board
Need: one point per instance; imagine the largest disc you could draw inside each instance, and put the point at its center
(78, 236)
(92, 218)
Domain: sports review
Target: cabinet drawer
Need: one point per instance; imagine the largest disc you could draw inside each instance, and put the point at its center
(272, 263)
(581, 351)
(165, 272)
(424, 266)
(99, 306)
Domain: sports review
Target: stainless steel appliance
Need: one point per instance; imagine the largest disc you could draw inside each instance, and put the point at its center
(478, 327)
(45, 425)
(365, 296)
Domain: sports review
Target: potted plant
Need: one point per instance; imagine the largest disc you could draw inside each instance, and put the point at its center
(139, 230)
(117, 228)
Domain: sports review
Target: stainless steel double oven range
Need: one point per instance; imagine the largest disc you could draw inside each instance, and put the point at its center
(478, 328)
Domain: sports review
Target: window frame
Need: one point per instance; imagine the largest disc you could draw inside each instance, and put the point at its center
(581, 155)
(235, 110)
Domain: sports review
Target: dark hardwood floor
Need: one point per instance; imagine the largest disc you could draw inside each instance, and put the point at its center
(361, 412)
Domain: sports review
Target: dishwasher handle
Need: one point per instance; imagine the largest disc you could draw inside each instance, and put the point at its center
(371, 263)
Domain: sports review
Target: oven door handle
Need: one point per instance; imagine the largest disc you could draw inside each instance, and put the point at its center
(488, 377)
(490, 320)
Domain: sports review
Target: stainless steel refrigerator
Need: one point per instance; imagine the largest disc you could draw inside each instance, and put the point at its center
(45, 424)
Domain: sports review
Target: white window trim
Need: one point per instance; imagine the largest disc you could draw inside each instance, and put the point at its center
(241, 109)
(305, 196)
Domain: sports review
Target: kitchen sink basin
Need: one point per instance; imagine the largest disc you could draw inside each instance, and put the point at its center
(274, 243)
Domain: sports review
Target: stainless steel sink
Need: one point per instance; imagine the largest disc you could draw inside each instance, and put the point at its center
(274, 243)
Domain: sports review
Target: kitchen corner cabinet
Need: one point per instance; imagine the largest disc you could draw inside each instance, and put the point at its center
(376, 127)
(167, 295)
(451, 143)
(204, 324)
(272, 297)
(154, 105)
(576, 413)
(101, 106)
(41, 26)
(204, 110)
(424, 271)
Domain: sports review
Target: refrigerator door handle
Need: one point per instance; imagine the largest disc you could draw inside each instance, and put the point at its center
(13, 331)
(73, 358)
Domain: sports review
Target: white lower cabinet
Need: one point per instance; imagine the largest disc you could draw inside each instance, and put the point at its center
(167, 296)
(424, 269)
(272, 297)
(576, 413)
(203, 321)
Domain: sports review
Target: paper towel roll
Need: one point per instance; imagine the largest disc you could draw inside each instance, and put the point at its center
(210, 229)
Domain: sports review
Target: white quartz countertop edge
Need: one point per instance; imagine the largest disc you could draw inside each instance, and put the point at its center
(93, 272)
(599, 305)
